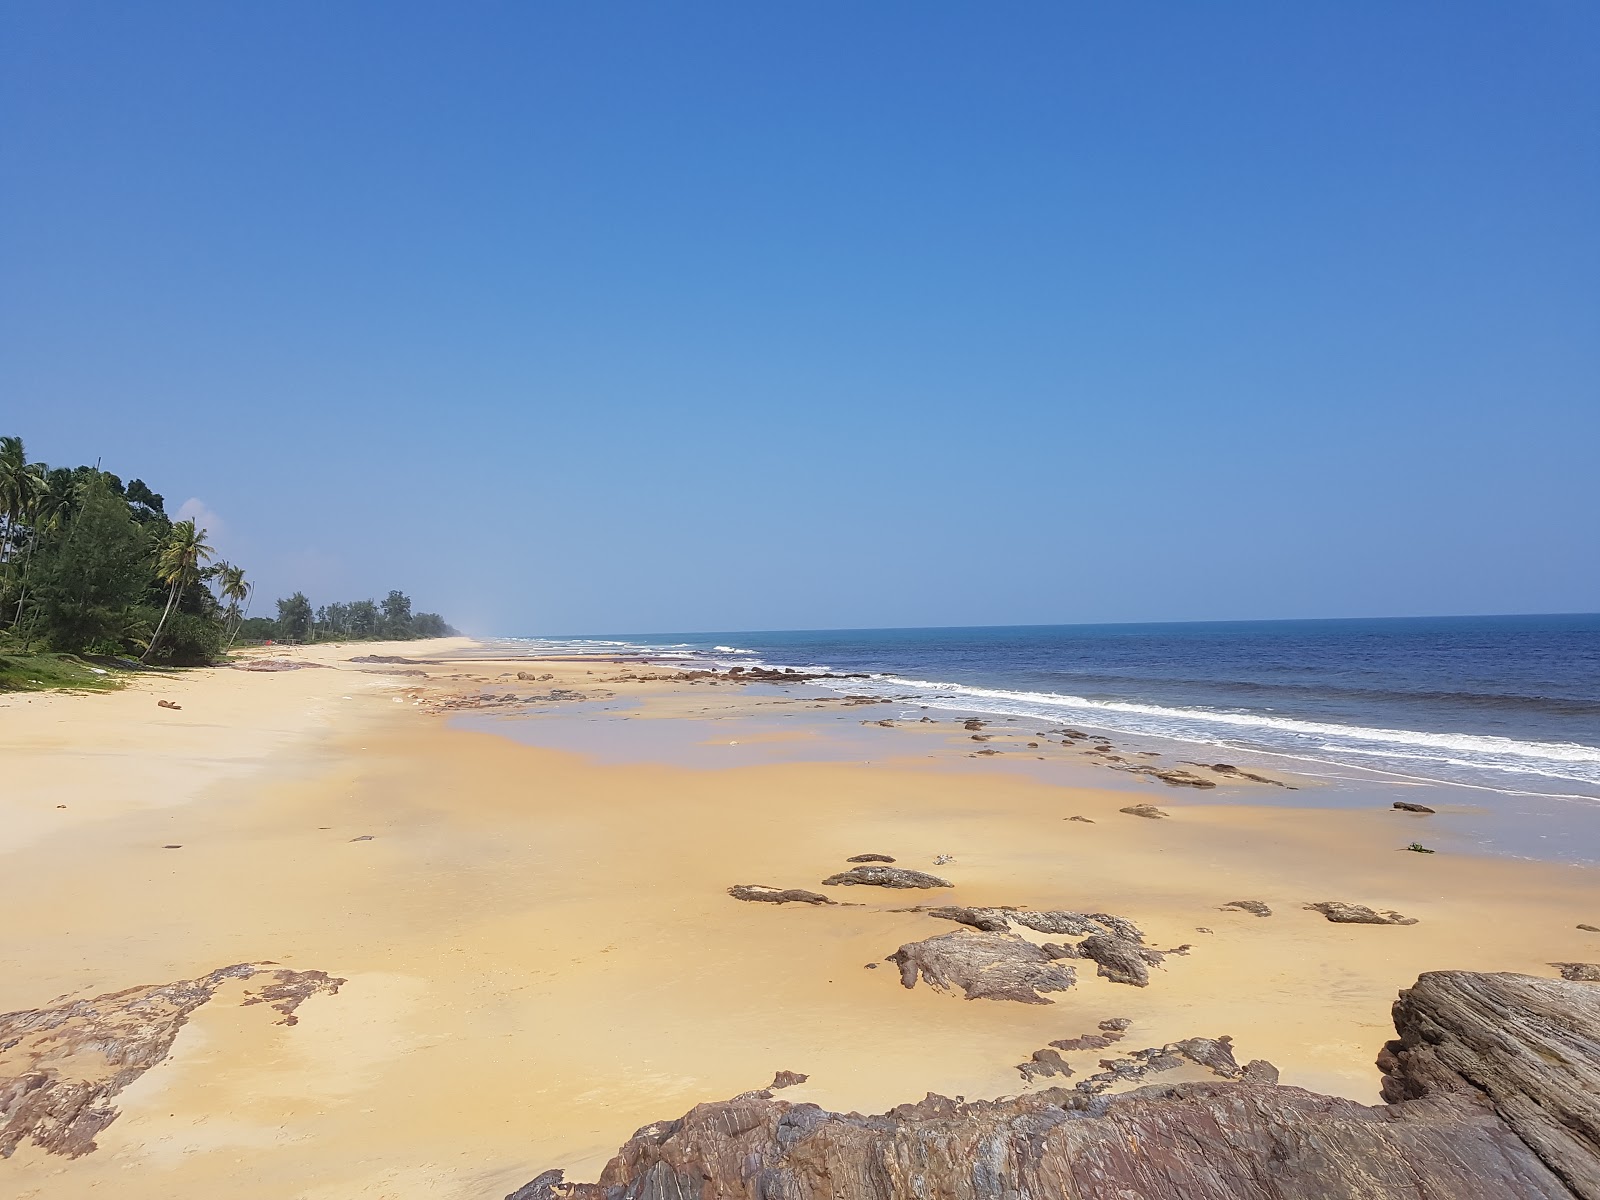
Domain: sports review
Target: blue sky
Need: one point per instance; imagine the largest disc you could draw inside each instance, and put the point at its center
(714, 316)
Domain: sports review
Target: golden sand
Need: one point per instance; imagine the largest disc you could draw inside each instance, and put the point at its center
(540, 955)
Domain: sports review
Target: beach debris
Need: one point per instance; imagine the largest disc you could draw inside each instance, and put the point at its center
(985, 966)
(1121, 960)
(770, 895)
(1171, 776)
(173, 846)
(1585, 928)
(1259, 907)
(973, 723)
(1407, 806)
(785, 1079)
(1149, 811)
(1490, 1083)
(1417, 848)
(889, 877)
(865, 858)
(1085, 820)
(364, 837)
(60, 1066)
(1203, 929)
(1358, 914)
(167, 704)
(1576, 972)
(939, 860)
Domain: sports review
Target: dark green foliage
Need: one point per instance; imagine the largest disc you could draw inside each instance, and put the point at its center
(294, 618)
(258, 629)
(189, 640)
(89, 577)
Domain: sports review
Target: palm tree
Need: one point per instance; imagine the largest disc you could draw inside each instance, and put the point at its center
(234, 589)
(178, 566)
(20, 485)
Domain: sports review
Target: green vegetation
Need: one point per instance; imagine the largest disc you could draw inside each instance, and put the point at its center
(92, 566)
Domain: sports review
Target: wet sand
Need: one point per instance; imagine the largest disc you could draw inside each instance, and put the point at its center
(538, 948)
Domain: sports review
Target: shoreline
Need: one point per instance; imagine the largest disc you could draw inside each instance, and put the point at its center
(538, 951)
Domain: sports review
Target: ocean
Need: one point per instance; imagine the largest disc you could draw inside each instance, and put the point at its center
(1506, 703)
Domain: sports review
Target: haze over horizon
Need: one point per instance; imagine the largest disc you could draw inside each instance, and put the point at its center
(577, 320)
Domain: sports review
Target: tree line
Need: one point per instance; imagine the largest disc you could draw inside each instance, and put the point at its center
(91, 565)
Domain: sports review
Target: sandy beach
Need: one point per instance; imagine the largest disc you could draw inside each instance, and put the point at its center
(535, 948)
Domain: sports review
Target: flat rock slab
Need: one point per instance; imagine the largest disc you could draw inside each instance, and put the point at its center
(889, 877)
(870, 858)
(1258, 907)
(985, 966)
(1494, 1097)
(1358, 914)
(761, 893)
(1143, 810)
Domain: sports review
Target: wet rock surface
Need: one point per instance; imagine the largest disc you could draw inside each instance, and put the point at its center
(889, 877)
(60, 1066)
(985, 966)
(761, 893)
(1492, 1084)
(1341, 913)
(1171, 776)
(1407, 806)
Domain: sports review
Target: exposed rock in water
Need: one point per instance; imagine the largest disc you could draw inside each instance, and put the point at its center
(770, 895)
(1143, 810)
(1121, 960)
(1258, 907)
(1579, 972)
(985, 966)
(1492, 1084)
(889, 877)
(973, 723)
(1233, 772)
(1172, 776)
(1407, 806)
(1358, 914)
(60, 1066)
(883, 858)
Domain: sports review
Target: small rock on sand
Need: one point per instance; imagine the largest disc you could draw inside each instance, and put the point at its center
(365, 837)
(883, 858)
(1250, 906)
(785, 1079)
(1143, 810)
(1407, 806)
(770, 895)
(1085, 820)
(1585, 928)
(890, 877)
(1579, 972)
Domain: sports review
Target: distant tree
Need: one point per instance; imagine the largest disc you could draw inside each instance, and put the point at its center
(147, 506)
(294, 618)
(235, 591)
(430, 625)
(397, 615)
(20, 485)
(256, 629)
(363, 618)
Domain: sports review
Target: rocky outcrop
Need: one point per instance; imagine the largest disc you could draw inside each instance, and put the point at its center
(889, 877)
(1493, 1086)
(1259, 907)
(1407, 806)
(761, 893)
(985, 966)
(60, 1066)
(1143, 810)
(1341, 913)
(870, 858)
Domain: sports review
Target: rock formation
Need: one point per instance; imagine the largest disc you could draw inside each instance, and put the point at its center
(60, 1066)
(889, 877)
(771, 895)
(985, 966)
(1493, 1083)
(1341, 913)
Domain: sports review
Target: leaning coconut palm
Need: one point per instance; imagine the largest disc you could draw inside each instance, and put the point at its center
(234, 590)
(178, 565)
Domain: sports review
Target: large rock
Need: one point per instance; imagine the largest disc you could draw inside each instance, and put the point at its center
(1495, 1081)
(985, 966)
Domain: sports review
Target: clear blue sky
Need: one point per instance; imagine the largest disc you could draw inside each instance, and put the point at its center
(584, 317)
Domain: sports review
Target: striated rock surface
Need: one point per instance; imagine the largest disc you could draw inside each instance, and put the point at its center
(761, 893)
(1341, 913)
(985, 966)
(60, 1066)
(1493, 1086)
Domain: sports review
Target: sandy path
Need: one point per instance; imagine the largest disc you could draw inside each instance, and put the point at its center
(540, 955)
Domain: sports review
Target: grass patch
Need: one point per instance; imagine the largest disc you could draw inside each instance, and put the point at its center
(48, 672)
